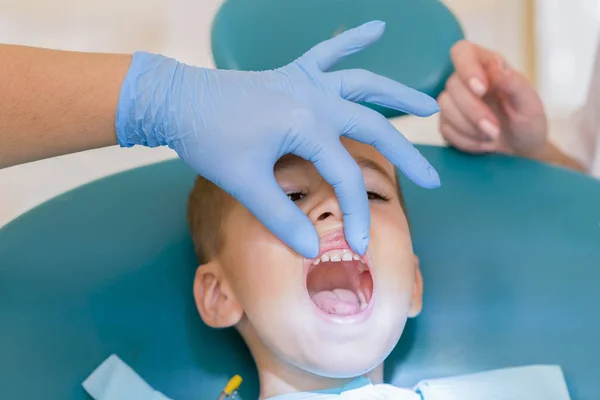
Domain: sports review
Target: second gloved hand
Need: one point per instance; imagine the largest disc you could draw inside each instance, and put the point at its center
(232, 126)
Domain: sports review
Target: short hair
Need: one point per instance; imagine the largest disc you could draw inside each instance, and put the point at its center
(208, 207)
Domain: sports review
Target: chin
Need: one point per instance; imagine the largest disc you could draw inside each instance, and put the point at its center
(347, 367)
(340, 355)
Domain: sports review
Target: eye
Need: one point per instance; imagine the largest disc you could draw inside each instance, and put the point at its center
(374, 196)
(296, 196)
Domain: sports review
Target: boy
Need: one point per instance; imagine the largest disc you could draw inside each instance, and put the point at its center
(319, 329)
(311, 325)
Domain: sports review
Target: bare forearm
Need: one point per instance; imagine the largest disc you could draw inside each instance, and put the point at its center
(56, 102)
(553, 155)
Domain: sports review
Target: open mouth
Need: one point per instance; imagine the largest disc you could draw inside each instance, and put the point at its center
(340, 283)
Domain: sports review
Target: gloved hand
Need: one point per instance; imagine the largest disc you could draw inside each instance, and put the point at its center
(489, 107)
(232, 126)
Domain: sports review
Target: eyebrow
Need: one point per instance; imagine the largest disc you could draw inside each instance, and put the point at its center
(366, 163)
(289, 161)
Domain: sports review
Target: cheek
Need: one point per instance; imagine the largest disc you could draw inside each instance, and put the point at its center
(259, 267)
(392, 253)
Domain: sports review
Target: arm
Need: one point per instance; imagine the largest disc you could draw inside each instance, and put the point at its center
(553, 155)
(62, 102)
(489, 107)
(56, 102)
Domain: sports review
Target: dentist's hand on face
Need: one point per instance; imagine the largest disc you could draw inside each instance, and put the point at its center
(489, 107)
(232, 126)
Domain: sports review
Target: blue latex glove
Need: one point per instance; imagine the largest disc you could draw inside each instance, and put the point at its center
(231, 127)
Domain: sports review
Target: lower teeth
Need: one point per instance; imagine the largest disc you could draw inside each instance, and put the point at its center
(362, 298)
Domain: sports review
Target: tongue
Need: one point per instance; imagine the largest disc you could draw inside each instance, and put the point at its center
(337, 301)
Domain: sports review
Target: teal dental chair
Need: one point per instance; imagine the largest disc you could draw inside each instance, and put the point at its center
(509, 251)
(266, 34)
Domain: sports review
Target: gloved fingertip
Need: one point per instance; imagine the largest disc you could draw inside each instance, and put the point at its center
(311, 252)
(358, 243)
(360, 246)
(424, 175)
(374, 24)
(434, 106)
(372, 28)
(428, 106)
(312, 249)
(431, 179)
(307, 244)
(364, 245)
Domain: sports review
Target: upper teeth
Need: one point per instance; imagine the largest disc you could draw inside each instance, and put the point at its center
(336, 256)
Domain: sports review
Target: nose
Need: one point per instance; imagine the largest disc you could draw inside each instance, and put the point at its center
(326, 208)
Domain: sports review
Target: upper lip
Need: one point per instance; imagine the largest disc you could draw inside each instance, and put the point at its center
(335, 240)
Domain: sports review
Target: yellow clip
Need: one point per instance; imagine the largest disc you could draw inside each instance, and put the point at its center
(233, 384)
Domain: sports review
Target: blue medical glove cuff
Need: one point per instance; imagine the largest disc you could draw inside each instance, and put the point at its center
(139, 119)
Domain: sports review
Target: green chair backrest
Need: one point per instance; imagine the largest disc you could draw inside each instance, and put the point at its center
(266, 34)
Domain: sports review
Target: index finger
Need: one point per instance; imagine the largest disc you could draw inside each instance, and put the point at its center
(338, 168)
(470, 64)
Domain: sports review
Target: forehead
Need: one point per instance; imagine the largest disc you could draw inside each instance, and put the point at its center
(366, 156)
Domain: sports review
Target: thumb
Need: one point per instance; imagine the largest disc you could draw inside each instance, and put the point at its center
(265, 199)
(512, 87)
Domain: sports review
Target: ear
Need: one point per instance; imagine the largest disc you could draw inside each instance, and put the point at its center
(214, 298)
(416, 304)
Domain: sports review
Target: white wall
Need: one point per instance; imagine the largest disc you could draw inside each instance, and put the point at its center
(567, 34)
(179, 28)
(495, 24)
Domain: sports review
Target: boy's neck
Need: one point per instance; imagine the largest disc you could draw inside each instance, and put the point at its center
(277, 378)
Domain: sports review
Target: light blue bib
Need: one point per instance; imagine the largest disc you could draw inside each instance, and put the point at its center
(115, 380)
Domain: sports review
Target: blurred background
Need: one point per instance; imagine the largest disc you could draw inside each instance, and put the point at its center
(552, 41)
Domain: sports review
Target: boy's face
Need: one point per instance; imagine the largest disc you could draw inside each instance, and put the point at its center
(338, 317)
